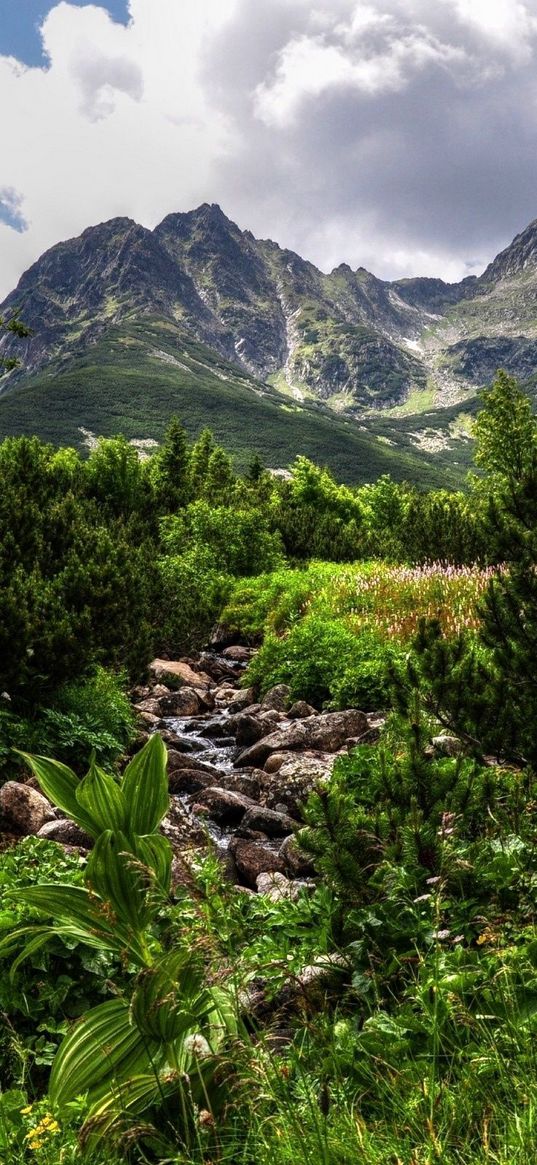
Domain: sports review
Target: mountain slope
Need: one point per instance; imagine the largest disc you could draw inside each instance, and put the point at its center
(140, 373)
(122, 305)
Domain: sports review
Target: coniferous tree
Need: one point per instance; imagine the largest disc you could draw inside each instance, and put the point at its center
(219, 479)
(169, 470)
(487, 692)
(199, 462)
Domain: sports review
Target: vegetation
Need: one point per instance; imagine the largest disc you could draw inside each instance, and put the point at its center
(128, 1026)
(112, 380)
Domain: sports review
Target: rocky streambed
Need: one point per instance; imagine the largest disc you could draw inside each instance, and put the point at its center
(239, 769)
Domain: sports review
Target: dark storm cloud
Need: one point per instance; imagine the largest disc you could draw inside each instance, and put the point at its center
(394, 134)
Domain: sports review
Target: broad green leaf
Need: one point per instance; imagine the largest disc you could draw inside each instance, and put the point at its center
(84, 916)
(117, 875)
(59, 783)
(155, 852)
(100, 1052)
(114, 1111)
(101, 797)
(145, 787)
(170, 998)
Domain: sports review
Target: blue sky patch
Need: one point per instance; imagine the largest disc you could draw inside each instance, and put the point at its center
(10, 209)
(20, 21)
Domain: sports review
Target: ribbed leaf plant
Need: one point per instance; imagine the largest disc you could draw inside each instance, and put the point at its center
(147, 1056)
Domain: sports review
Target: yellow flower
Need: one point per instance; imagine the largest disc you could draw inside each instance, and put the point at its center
(25, 1111)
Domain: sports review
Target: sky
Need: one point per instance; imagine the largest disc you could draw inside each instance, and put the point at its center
(398, 135)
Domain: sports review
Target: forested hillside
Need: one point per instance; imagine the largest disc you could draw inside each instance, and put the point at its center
(267, 801)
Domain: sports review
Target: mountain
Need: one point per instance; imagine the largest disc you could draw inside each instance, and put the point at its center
(201, 318)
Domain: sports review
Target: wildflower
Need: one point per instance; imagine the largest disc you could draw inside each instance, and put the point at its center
(442, 934)
(422, 898)
(25, 1111)
(197, 1046)
(206, 1119)
(433, 881)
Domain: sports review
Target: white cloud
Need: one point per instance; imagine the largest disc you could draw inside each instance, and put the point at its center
(118, 123)
(508, 25)
(309, 66)
(397, 134)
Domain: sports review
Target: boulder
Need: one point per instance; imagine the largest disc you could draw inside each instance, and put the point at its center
(300, 711)
(249, 729)
(184, 702)
(224, 694)
(150, 719)
(447, 745)
(222, 805)
(297, 863)
(66, 832)
(183, 781)
(181, 828)
(276, 886)
(253, 858)
(217, 668)
(214, 729)
(150, 707)
(238, 653)
(180, 742)
(296, 778)
(269, 821)
(243, 700)
(275, 761)
(24, 809)
(223, 637)
(176, 673)
(277, 698)
(321, 973)
(245, 783)
(181, 760)
(327, 732)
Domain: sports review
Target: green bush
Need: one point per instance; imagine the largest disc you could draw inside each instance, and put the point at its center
(239, 539)
(192, 591)
(94, 715)
(324, 662)
(52, 987)
(269, 602)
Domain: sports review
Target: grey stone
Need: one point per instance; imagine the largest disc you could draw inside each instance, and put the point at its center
(176, 673)
(300, 711)
(269, 821)
(223, 806)
(276, 887)
(297, 863)
(277, 698)
(253, 858)
(238, 653)
(447, 745)
(66, 832)
(243, 700)
(327, 731)
(23, 808)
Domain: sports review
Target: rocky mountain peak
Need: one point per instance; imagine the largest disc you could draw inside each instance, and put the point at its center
(518, 257)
